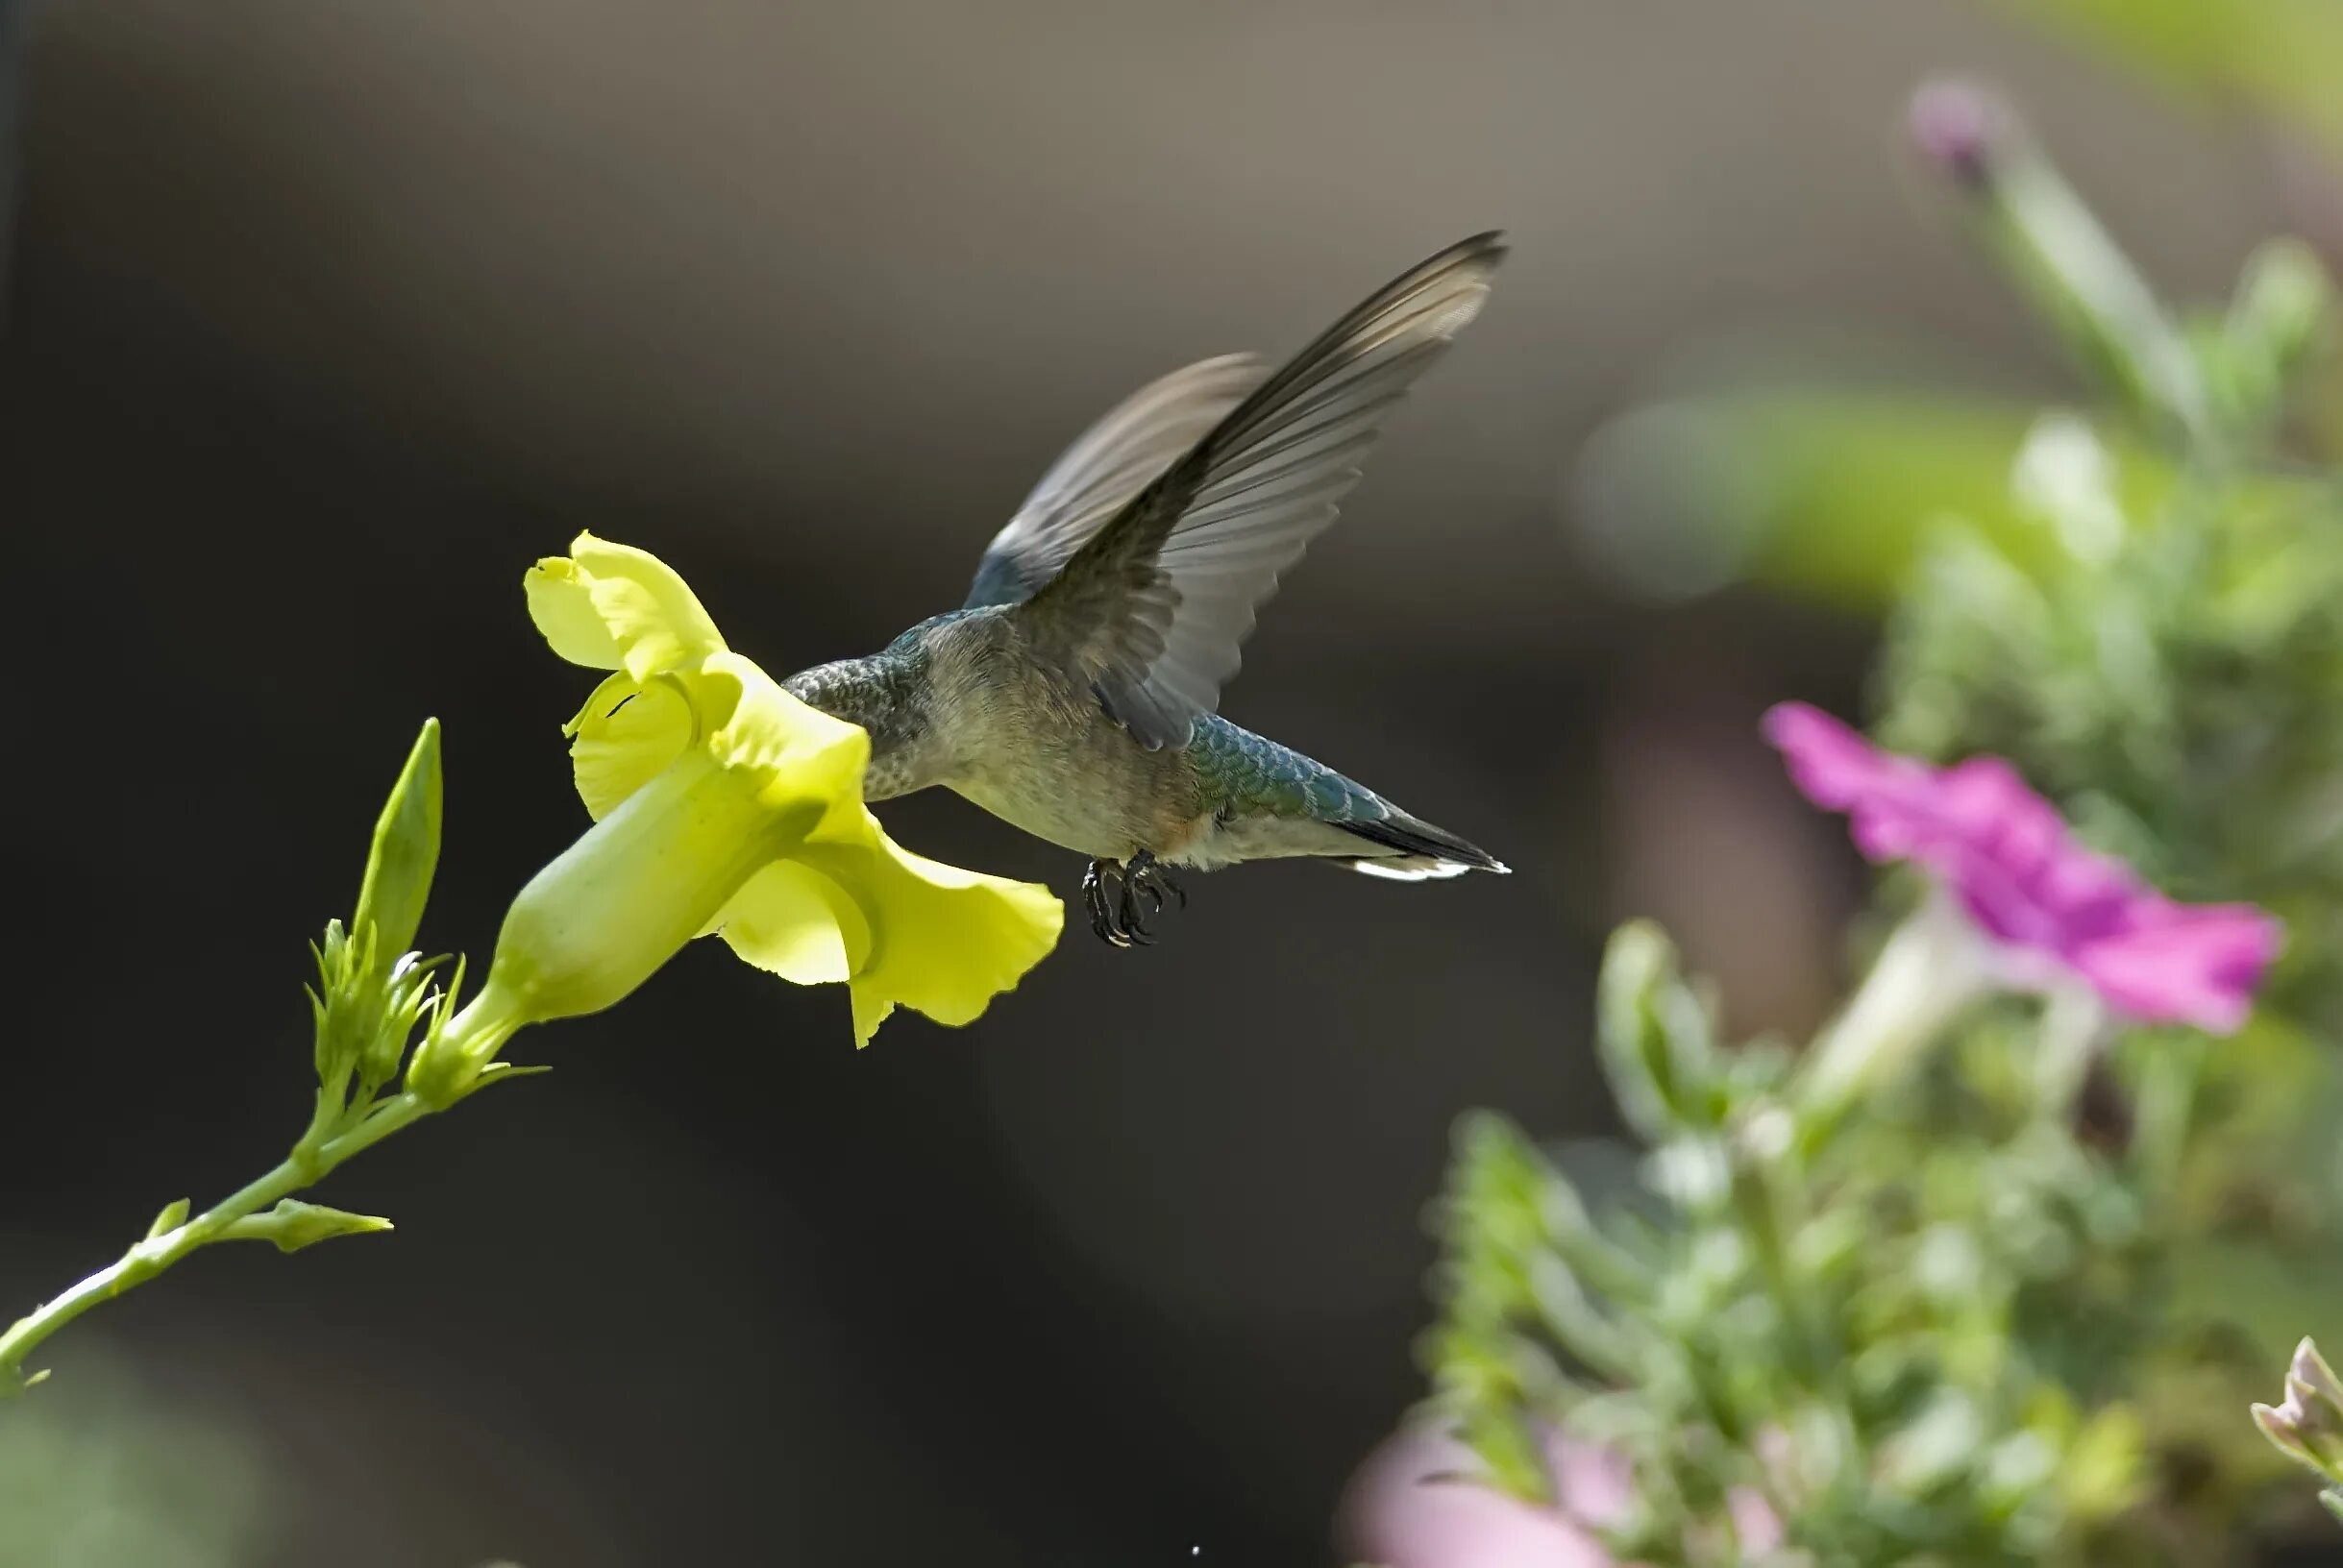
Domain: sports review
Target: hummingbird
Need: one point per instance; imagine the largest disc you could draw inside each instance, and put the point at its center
(1076, 694)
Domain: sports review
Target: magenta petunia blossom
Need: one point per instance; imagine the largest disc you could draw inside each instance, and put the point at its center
(2049, 904)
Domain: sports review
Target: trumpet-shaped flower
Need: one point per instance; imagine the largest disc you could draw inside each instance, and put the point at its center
(2048, 907)
(723, 806)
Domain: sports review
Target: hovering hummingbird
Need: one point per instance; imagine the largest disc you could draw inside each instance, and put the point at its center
(1075, 693)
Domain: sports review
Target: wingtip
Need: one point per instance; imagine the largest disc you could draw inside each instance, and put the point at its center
(1480, 253)
(1489, 246)
(1236, 362)
(1464, 274)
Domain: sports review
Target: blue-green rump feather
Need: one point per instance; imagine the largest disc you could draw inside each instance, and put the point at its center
(1240, 771)
(1242, 774)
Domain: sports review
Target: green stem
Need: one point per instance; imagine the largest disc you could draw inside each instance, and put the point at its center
(332, 1109)
(2082, 280)
(1931, 968)
(151, 1257)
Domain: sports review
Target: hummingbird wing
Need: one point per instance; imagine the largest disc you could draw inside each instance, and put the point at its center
(1153, 606)
(1108, 464)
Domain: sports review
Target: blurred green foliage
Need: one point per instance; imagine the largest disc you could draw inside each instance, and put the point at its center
(1956, 1329)
(1831, 492)
(2277, 57)
(106, 1473)
(1908, 1363)
(2174, 677)
(2172, 672)
(2011, 1310)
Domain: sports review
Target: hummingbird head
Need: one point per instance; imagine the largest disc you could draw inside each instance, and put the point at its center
(886, 693)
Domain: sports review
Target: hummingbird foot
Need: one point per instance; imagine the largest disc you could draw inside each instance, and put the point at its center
(1123, 898)
(1101, 893)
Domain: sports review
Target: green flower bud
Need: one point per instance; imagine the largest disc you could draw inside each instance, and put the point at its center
(364, 1016)
(2310, 1377)
(405, 855)
(2309, 1427)
(292, 1225)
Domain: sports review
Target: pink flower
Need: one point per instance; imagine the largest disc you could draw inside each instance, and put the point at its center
(2049, 906)
(1416, 1503)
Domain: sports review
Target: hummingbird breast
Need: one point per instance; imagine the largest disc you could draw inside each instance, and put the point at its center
(1029, 743)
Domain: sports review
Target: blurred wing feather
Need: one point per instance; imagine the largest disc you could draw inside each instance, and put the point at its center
(1107, 465)
(1154, 605)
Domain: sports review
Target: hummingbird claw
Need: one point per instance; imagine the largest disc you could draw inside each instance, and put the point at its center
(1103, 889)
(1121, 899)
(1094, 899)
(1146, 879)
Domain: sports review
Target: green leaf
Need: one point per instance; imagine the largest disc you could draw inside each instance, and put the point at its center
(2284, 300)
(174, 1214)
(1654, 1037)
(405, 855)
(2055, 251)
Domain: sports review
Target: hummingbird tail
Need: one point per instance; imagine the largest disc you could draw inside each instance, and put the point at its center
(1414, 851)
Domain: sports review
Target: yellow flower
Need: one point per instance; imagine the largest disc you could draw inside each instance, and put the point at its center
(723, 806)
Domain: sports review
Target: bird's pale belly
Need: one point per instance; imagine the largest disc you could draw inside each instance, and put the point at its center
(1107, 800)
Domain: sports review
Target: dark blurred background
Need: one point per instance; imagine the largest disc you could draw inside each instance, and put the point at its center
(324, 321)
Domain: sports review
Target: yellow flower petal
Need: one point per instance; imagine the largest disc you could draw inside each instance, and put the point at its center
(753, 724)
(897, 928)
(562, 605)
(612, 606)
(796, 922)
(943, 942)
(624, 736)
(850, 904)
